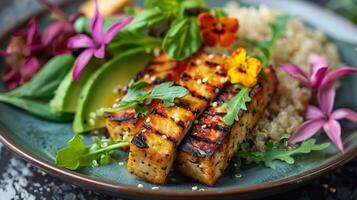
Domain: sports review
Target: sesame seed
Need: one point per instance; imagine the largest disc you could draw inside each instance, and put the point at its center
(91, 122)
(147, 120)
(194, 188)
(204, 126)
(155, 188)
(211, 56)
(164, 136)
(140, 185)
(93, 115)
(96, 132)
(121, 163)
(205, 80)
(177, 120)
(152, 78)
(146, 76)
(144, 130)
(198, 62)
(219, 67)
(215, 104)
(199, 81)
(225, 79)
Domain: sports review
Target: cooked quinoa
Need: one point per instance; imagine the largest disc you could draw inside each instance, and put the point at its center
(286, 110)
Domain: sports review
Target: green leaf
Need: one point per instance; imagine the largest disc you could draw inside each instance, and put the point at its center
(190, 4)
(44, 84)
(147, 19)
(81, 25)
(136, 95)
(77, 154)
(266, 47)
(183, 39)
(236, 104)
(280, 152)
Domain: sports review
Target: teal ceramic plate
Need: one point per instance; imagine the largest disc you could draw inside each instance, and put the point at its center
(37, 141)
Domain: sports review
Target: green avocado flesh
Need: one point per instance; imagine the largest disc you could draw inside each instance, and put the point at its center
(98, 90)
(67, 94)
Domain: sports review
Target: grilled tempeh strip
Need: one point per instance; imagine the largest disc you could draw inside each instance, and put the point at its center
(206, 151)
(123, 124)
(153, 148)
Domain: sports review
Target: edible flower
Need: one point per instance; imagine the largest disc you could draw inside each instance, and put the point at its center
(324, 117)
(241, 69)
(222, 31)
(317, 76)
(94, 45)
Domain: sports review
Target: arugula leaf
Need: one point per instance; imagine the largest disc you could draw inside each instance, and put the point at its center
(137, 95)
(183, 39)
(236, 104)
(266, 46)
(280, 153)
(77, 154)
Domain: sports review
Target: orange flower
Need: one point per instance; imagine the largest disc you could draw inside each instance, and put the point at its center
(221, 31)
(241, 69)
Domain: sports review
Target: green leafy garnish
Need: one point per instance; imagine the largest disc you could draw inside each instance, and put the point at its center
(183, 39)
(136, 95)
(266, 46)
(77, 154)
(236, 104)
(35, 95)
(280, 152)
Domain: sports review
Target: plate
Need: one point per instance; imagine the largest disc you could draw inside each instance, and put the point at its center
(37, 141)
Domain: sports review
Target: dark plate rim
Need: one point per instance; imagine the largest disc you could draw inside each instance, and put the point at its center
(128, 190)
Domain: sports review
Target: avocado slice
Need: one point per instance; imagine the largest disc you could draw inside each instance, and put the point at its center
(98, 90)
(67, 95)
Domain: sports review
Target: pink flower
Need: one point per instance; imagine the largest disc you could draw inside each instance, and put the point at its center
(317, 76)
(95, 44)
(324, 117)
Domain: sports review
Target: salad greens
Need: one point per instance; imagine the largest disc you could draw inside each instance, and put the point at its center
(77, 154)
(236, 104)
(279, 152)
(137, 95)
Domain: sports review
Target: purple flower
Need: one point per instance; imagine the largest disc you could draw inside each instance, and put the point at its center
(95, 44)
(317, 76)
(324, 117)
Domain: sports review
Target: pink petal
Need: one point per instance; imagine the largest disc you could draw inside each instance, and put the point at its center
(344, 113)
(306, 130)
(333, 131)
(115, 28)
(11, 74)
(337, 74)
(100, 53)
(96, 25)
(80, 41)
(32, 31)
(3, 53)
(54, 30)
(316, 62)
(326, 98)
(296, 72)
(313, 112)
(29, 69)
(81, 62)
(318, 76)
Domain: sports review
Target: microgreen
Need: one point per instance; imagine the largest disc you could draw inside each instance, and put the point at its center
(236, 104)
(137, 94)
(277, 153)
(77, 154)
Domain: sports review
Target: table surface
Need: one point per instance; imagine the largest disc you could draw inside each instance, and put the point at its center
(19, 180)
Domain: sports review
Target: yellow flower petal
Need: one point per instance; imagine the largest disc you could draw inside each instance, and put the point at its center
(254, 66)
(239, 55)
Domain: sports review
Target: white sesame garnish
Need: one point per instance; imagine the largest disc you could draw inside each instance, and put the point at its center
(201, 189)
(91, 122)
(164, 136)
(215, 104)
(96, 132)
(147, 120)
(146, 76)
(211, 56)
(121, 163)
(198, 62)
(199, 81)
(155, 188)
(194, 188)
(177, 120)
(204, 126)
(152, 78)
(144, 130)
(204, 80)
(140, 185)
(225, 79)
(219, 67)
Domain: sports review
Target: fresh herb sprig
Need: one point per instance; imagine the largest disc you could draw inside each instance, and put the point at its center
(137, 94)
(236, 104)
(277, 153)
(266, 47)
(77, 154)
